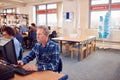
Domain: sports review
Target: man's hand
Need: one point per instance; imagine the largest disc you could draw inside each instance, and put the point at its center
(20, 63)
(30, 67)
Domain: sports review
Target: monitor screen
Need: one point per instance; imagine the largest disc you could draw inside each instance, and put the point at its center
(7, 50)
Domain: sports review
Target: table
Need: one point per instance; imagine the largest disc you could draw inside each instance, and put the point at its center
(42, 75)
(77, 40)
(25, 35)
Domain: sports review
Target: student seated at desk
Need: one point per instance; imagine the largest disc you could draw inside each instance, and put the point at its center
(18, 35)
(45, 51)
(8, 32)
(23, 29)
(31, 36)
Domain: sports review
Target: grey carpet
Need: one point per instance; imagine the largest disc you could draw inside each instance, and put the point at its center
(100, 65)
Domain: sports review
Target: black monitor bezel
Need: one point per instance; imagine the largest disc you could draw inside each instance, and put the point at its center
(9, 56)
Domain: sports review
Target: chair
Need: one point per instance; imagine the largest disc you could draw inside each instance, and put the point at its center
(53, 35)
(83, 47)
(92, 44)
(60, 65)
(68, 45)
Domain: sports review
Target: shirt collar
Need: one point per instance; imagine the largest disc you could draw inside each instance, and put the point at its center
(47, 44)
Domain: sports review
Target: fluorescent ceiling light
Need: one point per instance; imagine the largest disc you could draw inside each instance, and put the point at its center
(1, 3)
(17, 0)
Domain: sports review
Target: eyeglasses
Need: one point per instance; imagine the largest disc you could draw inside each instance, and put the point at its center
(4, 34)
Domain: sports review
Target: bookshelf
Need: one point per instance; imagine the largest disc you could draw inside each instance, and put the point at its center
(13, 19)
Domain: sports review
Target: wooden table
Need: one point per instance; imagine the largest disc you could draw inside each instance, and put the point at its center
(24, 35)
(77, 40)
(42, 75)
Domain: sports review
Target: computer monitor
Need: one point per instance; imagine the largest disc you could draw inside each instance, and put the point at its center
(7, 50)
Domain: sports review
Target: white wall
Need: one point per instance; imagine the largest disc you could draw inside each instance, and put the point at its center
(69, 27)
(80, 9)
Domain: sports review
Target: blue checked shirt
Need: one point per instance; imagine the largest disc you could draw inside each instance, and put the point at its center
(47, 58)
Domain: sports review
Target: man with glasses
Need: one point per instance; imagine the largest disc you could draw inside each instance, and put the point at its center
(8, 33)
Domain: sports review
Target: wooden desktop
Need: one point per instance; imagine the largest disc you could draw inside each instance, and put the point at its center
(78, 40)
(42, 75)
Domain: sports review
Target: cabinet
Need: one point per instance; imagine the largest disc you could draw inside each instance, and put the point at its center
(13, 19)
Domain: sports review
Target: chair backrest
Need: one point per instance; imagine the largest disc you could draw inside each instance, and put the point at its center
(53, 35)
(60, 65)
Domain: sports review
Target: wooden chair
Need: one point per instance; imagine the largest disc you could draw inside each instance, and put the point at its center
(92, 44)
(68, 45)
(83, 47)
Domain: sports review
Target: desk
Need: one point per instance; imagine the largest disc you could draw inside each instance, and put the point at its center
(42, 75)
(24, 35)
(77, 40)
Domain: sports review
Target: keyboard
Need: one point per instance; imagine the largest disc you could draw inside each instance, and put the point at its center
(4, 68)
(17, 69)
(6, 71)
(21, 71)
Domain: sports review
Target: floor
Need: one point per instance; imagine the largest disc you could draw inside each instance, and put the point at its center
(100, 65)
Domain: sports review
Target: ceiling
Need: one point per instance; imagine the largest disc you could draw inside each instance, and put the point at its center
(8, 3)
(4, 3)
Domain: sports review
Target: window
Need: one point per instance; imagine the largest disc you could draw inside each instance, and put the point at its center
(95, 2)
(115, 1)
(100, 8)
(115, 17)
(95, 18)
(46, 14)
(9, 10)
(51, 6)
(52, 20)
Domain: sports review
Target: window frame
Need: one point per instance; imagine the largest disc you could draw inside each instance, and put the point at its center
(47, 12)
(111, 7)
(5, 10)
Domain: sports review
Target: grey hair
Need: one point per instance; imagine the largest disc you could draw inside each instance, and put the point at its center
(45, 28)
